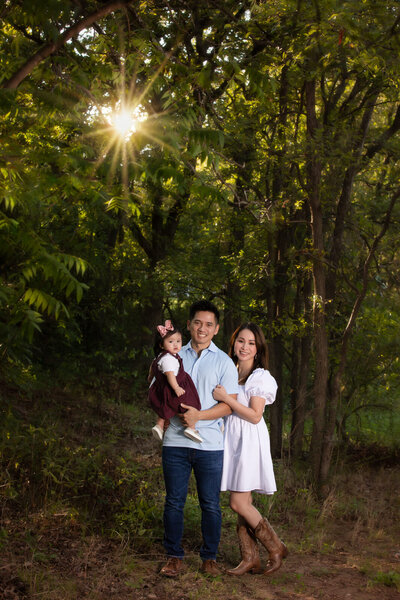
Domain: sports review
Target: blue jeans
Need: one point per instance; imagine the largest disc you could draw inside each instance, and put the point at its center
(177, 467)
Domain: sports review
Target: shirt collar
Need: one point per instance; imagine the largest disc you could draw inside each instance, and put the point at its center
(211, 348)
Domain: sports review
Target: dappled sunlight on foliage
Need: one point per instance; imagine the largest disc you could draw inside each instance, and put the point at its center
(261, 172)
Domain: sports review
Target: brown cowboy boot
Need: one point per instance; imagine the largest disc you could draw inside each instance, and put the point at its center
(276, 548)
(248, 550)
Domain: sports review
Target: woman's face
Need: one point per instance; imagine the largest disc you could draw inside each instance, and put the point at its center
(245, 347)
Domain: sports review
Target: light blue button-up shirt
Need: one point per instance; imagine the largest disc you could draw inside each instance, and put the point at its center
(211, 368)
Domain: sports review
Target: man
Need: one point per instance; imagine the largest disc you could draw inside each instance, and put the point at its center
(208, 366)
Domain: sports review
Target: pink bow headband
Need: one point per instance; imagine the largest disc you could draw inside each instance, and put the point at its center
(162, 329)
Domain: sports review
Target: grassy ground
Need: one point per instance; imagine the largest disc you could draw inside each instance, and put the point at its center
(81, 514)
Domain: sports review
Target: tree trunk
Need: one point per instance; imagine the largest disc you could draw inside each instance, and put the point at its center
(276, 409)
(300, 370)
(319, 282)
(337, 379)
(276, 297)
(232, 313)
(280, 181)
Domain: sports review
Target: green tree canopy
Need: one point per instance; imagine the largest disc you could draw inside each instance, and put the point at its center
(261, 172)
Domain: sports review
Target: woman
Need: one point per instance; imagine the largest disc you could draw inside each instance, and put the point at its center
(247, 457)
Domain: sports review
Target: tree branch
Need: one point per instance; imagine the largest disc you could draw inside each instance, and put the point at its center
(141, 240)
(347, 188)
(371, 253)
(25, 33)
(74, 30)
(385, 137)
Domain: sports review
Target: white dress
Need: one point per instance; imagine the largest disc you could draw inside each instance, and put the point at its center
(247, 456)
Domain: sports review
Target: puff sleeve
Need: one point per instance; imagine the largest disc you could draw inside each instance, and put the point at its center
(168, 362)
(261, 384)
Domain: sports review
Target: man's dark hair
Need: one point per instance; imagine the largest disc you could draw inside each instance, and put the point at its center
(203, 305)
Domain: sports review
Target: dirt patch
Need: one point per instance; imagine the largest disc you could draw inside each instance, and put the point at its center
(348, 547)
(65, 566)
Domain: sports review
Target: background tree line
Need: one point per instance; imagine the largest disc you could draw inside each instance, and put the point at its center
(263, 174)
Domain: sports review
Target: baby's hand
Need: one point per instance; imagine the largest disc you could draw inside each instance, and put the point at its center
(179, 391)
(219, 393)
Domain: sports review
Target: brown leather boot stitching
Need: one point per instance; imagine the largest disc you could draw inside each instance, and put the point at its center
(248, 550)
(276, 548)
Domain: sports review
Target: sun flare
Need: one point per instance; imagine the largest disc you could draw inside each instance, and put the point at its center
(124, 122)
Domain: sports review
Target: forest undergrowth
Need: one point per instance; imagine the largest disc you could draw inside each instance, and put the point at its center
(81, 494)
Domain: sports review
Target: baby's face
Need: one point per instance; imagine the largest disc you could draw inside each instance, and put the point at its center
(172, 343)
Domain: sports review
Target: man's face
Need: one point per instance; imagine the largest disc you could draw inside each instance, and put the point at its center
(202, 328)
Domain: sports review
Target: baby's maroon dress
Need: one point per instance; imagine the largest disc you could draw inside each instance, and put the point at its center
(162, 397)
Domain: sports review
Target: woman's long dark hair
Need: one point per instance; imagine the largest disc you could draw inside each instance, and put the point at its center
(261, 359)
